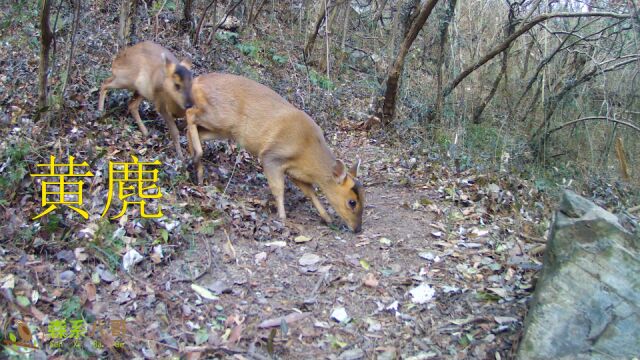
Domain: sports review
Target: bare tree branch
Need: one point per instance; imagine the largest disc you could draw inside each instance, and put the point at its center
(568, 123)
(528, 26)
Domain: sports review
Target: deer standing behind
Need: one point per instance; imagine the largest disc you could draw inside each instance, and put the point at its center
(285, 140)
(153, 73)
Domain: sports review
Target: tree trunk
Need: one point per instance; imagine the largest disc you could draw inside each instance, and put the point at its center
(72, 44)
(196, 34)
(345, 25)
(187, 12)
(46, 37)
(127, 31)
(253, 15)
(386, 106)
(333, 11)
(527, 56)
(186, 23)
(378, 15)
(539, 68)
(477, 115)
(312, 32)
(217, 25)
(442, 43)
(402, 19)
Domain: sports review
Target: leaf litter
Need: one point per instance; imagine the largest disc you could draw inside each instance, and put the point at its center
(437, 245)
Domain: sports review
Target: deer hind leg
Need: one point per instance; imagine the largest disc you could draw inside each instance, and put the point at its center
(134, 105)
(309, 191)
(275, 176)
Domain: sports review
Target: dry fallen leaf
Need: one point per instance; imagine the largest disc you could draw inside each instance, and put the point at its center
(203, 292)
(235, 335)
(370, 280)
(301, 239)
(293, 317)
(90, 290)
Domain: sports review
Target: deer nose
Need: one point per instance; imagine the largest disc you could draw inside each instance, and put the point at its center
(358, 228)
(188, 104)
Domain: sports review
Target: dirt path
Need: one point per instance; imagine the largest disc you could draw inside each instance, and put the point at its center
(370, 275)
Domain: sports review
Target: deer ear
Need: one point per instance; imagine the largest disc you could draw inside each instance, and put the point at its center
(339, 172)
(186, 63)
(353, 170)
(169, 66)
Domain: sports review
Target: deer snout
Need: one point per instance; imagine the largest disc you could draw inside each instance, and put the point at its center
(188, 104)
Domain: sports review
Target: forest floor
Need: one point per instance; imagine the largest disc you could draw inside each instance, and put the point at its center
(444, 267)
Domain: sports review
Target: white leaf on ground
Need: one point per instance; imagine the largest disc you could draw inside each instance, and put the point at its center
(80, 254)
(301, 239)
(156, 255)
(427, 255)
(168, 224)
(104, 273)
(504, 319)
(339, 314)
(260, 257)
(131, 258)
(8, 282)
(374, 325)
(276, 244)
(476, 232)
(308, 259)
(203, 292)
(502, 292)
(422, 293)
(393, 306)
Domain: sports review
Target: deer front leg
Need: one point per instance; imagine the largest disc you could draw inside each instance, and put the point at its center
(134, 106)
(173, 130)
(308, 190)
(195, 146)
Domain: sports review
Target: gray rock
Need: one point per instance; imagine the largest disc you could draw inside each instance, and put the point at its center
(587, 301)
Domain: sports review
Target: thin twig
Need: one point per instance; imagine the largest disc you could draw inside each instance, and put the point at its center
(224, 18)
(157, 16)
(196, 35)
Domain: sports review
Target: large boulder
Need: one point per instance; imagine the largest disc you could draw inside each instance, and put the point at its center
(587, 301)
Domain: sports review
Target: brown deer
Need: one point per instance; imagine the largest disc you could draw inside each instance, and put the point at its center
(285, 140)
(153, 73)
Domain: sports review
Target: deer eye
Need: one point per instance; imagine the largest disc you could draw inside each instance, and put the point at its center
(352, 204)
